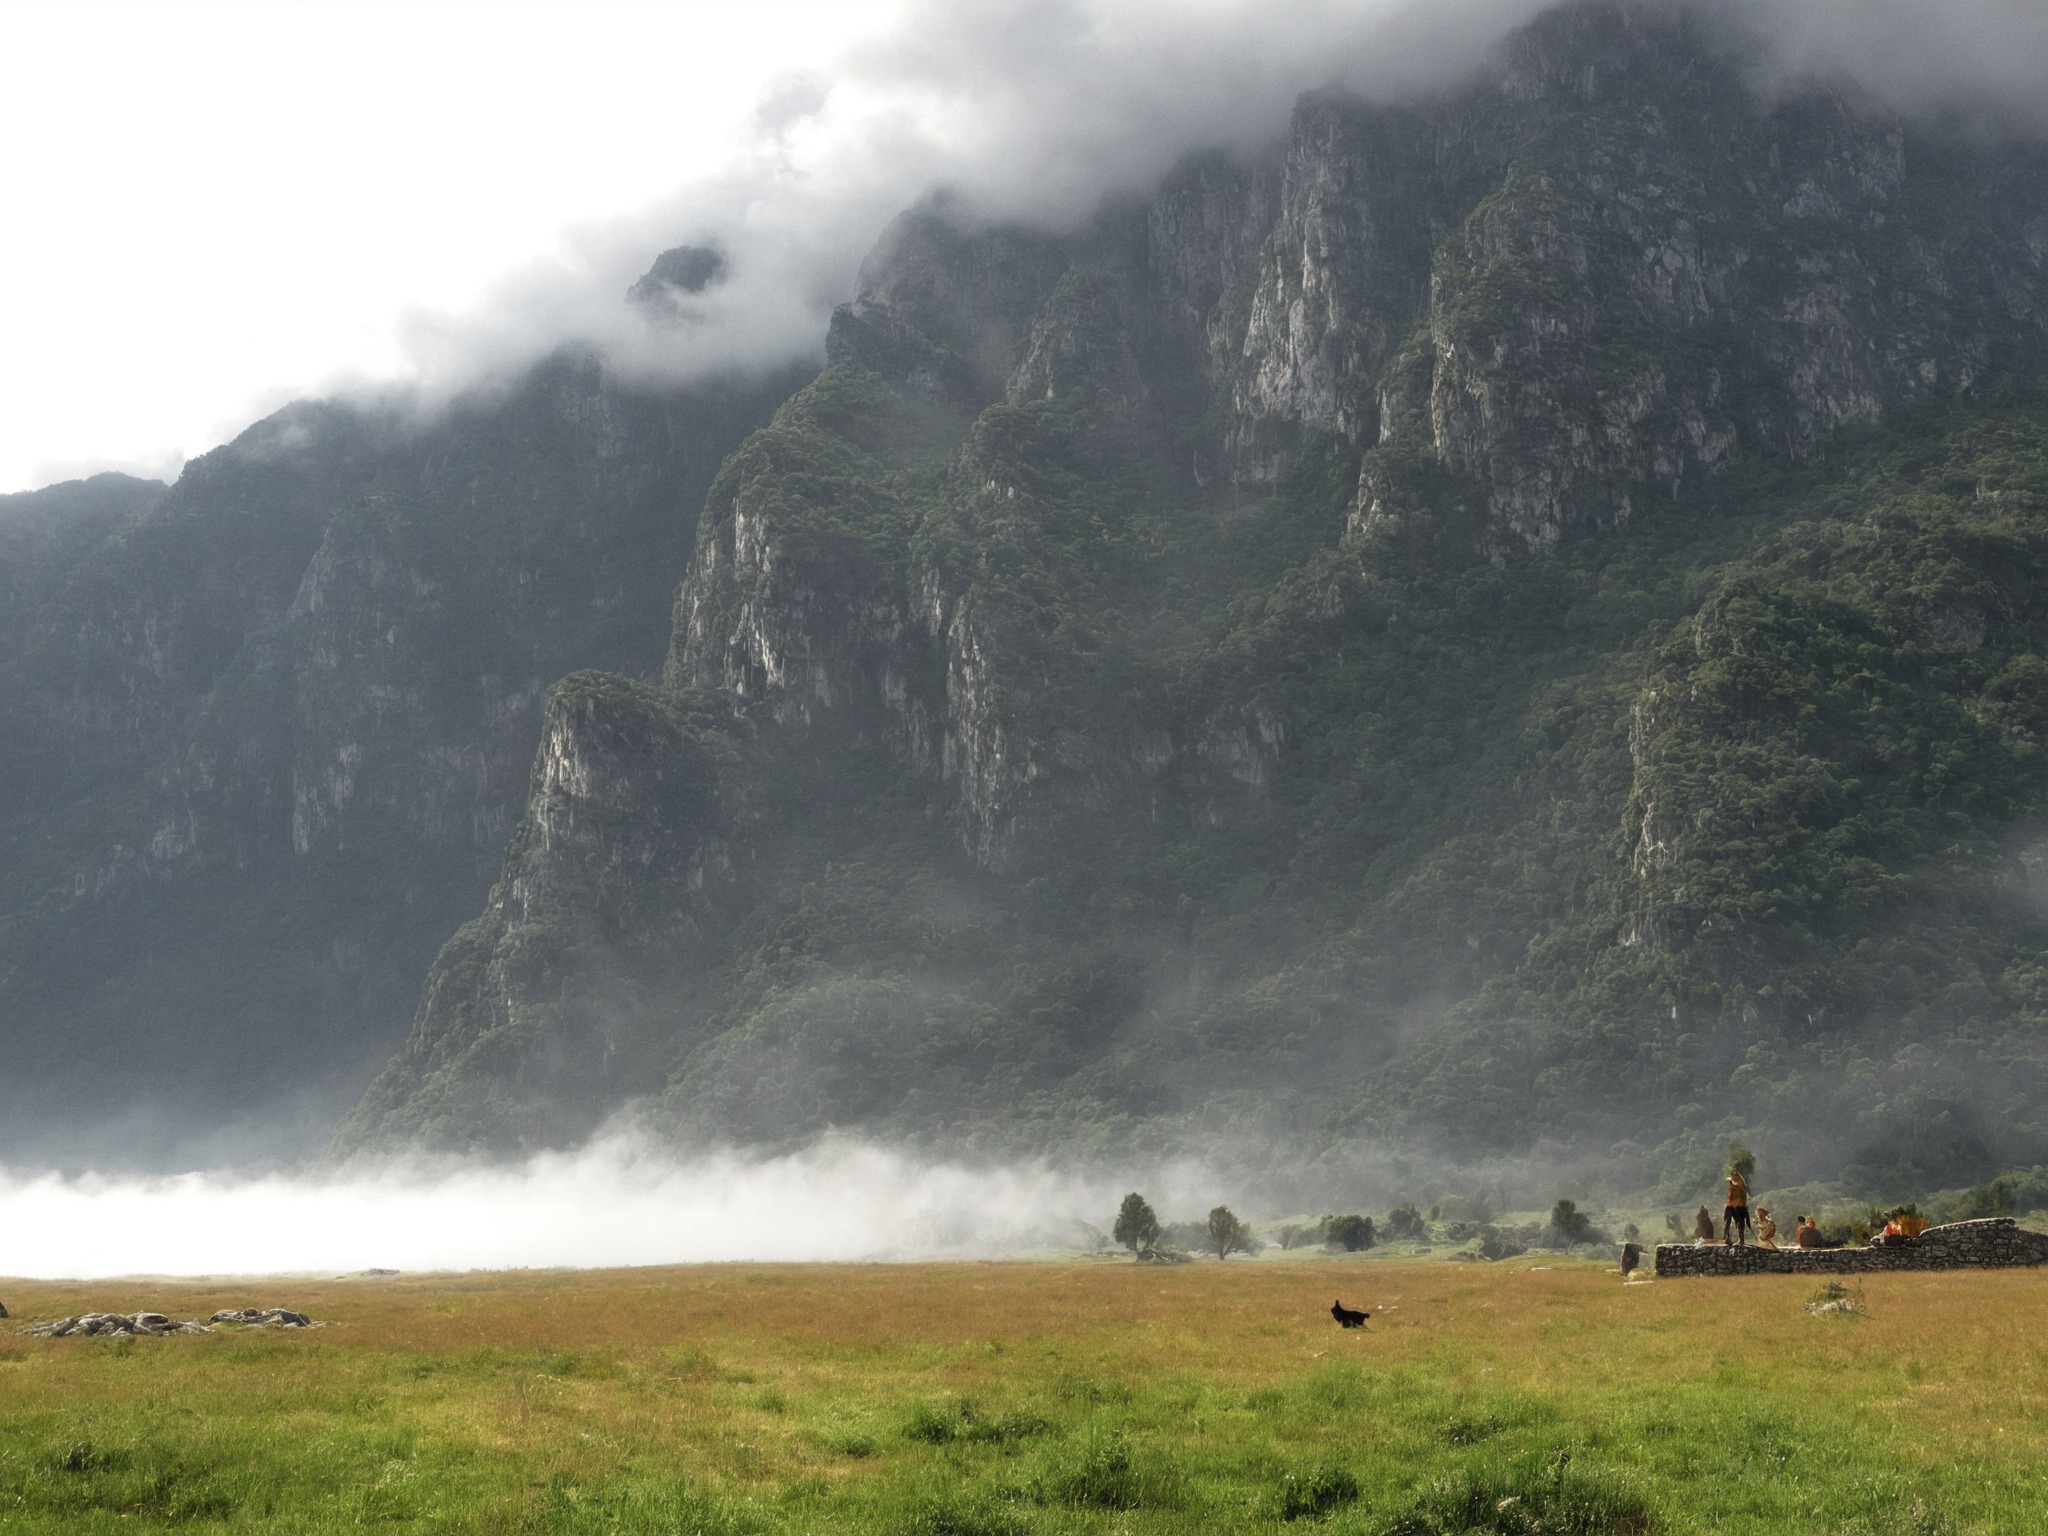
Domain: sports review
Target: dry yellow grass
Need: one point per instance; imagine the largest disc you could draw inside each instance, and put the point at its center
(807, 1395)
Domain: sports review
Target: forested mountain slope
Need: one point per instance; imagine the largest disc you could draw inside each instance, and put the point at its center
(266, 733)
(1519, 617)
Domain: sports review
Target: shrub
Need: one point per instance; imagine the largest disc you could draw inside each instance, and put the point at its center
(2017, 1191)
(1404, 1223)
(1494, 1243)
(1475, 1209)
(1351, 1233)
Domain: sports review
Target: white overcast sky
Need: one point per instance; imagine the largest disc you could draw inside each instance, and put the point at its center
(210, 208)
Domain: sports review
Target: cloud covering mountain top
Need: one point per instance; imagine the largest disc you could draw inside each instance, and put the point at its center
(835, 120)
(1038, 109)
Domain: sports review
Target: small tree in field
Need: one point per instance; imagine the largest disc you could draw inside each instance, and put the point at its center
(1404, 1222)
(1350, 1233)
(1228, 1235)
(1136, 1224)
(1570, 1223)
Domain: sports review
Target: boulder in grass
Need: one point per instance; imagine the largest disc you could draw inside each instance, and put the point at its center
(127, 1325)
(112, 1325)
(256, 1317)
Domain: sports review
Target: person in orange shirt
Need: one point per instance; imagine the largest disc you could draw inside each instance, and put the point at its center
(1900, 1226)
(1808, 1233)
(1735, 1214)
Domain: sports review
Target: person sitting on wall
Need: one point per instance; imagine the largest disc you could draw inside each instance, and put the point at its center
(1808, 1234)
(1766, 1229)
(1703, 1227)
(1735, 1214)
(1901, 1226)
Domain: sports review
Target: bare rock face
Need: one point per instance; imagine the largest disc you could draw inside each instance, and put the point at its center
(1495, 321)
(1594, 275)
(1597, 274)
(619, 871)
(269, 728)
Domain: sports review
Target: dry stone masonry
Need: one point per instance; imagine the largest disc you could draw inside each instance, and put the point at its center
(1994, 1243)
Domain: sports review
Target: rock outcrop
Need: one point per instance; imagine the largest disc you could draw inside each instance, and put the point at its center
(121, 1325)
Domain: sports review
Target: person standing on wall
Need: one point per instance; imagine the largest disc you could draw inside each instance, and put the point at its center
(1735, 1215)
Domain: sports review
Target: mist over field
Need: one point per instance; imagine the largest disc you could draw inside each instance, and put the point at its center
(618, 1201)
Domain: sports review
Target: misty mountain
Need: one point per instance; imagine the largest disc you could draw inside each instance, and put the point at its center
(1516, 616)
(268, 732)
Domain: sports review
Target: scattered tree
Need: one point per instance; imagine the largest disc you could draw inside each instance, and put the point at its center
(1404, 1222)
(1295, 1235)
(1496, 1244)
(1478, 1208)
(1136, 1224)
(1351, 1233)
(1571, 1223)
(1228, 1235)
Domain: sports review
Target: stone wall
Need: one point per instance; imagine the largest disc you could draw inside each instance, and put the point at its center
(1993, 1243)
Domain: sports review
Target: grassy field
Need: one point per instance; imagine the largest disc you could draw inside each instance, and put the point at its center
(955, 1399)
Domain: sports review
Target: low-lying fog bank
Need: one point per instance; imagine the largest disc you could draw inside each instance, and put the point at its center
(616, 1201)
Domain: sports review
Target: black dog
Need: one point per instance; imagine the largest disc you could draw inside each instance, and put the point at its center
(1347, 1318)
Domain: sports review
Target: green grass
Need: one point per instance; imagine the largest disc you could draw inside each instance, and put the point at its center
(1045, 1397)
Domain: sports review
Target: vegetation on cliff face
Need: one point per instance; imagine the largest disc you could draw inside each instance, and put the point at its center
(1517, 617)
(267, 731)
(1587, 688)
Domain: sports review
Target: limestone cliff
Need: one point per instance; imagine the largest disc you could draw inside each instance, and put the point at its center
(272, 729)
(1184, 667)
(621, 871)
(1513, 614)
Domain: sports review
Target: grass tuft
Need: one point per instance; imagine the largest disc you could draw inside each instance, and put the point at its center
(1311, 1495)
(1533, 1496)
(1101, 1471)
